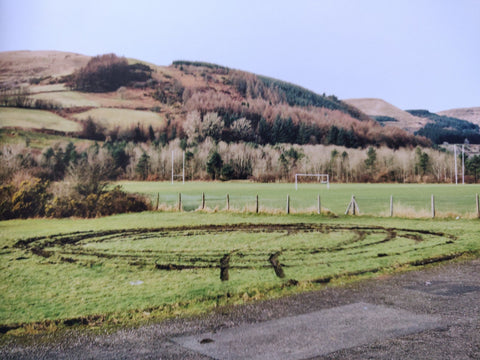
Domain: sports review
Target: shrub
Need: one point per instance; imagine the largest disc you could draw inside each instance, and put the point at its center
(108, 73)
(92, 131)
(6, 193)
(61, 207)
(117, 201)
(227, 172)
(30, 199)
(107, 203)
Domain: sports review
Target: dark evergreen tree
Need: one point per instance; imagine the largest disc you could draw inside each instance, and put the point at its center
(371, 158)
(332, 136)
(264, 132)
(473, 166)
(143, 166)
(151, 133)
(214, 165)
(70, 155)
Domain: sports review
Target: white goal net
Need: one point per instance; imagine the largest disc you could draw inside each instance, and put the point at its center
(322, 178)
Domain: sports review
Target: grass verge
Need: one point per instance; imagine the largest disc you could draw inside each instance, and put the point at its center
(137, 268)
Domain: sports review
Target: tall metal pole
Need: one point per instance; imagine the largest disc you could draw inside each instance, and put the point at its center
(463, 164)
(172, 167)
(183, 172)
(455, 155)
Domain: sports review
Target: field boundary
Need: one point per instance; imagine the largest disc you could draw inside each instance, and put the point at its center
(395, 209)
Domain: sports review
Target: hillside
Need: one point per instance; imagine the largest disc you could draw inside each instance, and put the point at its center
(470, 114)
(392, 116)
(135, 120)
(25, 66)
(442, 129)
(272, 111)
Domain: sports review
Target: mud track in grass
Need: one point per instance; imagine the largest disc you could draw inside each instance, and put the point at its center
(282, 258)
(79, 247)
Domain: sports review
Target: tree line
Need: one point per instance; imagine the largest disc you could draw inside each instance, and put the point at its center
(242, 160)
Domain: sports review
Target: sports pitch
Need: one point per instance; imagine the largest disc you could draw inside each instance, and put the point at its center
(409, 200)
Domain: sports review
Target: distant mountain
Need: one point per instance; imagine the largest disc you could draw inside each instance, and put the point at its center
(448, 129)
(470, 114)
(388, 114)
(245, 106)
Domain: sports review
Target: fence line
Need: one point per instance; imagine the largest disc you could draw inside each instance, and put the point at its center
(316, 207)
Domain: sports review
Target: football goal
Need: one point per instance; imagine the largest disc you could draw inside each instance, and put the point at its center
(182, 175)
(322, 178)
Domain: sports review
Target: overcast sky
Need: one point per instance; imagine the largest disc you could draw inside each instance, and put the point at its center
(411, 53)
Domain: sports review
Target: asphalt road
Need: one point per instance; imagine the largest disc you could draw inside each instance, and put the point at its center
(432, 313)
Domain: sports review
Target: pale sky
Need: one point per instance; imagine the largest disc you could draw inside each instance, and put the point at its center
(415, 54)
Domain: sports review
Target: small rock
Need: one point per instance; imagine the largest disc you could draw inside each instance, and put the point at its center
(137, 282)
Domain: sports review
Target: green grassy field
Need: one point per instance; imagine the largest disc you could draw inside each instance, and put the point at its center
(136, 268)
(124, 118)
(410, 200)
(66, 98)
(35, 119)
(38, 140)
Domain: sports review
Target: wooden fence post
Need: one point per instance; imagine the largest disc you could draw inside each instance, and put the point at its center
(228, 202)
(348, 207)
(288, 204)
(353, 204)
(179, 201)
(433, 206)
(256, 204)
(391, 205)
(478, 205)
(319, 205)
(203, 200)
(158, 201)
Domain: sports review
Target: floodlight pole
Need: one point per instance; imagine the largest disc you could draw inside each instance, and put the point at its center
(463, 164)
(172, 167)
(455, 156)
(183, 171)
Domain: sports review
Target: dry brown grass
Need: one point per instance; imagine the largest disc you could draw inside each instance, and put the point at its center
(470, 114)
(122, 118)
(24, 65)
(409, 212)
(379, 107)
(124, 98)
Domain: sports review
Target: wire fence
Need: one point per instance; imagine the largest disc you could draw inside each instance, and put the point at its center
(400, 205)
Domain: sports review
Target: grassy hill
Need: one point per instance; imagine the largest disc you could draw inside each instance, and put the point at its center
(36, 66)
(163, 96)
(470, 114)
(382, 110)
(63, 110)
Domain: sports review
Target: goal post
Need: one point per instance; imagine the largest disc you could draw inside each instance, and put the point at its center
(323, 178)
(182, 175)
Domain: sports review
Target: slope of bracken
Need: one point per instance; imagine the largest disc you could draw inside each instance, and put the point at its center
(286, 112)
